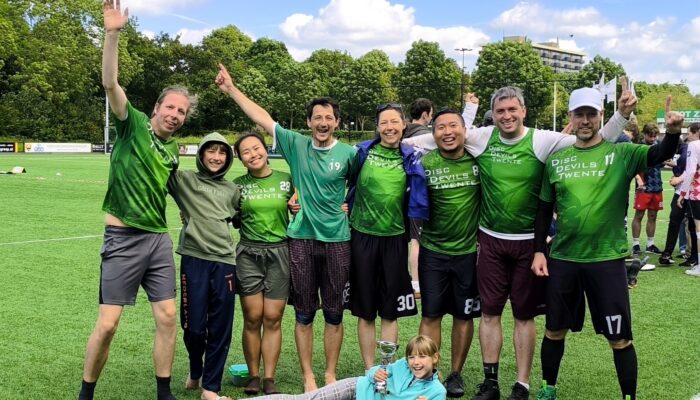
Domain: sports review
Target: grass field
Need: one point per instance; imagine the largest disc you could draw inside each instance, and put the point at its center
(50, 236)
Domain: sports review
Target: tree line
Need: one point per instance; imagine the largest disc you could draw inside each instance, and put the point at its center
(50, 55)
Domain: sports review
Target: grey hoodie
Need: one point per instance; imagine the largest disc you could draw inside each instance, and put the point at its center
(207, 202)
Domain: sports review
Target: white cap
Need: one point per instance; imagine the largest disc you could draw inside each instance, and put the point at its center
(585, 97)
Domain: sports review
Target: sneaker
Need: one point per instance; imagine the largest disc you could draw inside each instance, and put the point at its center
(488, 391)
(519, 392)
(695, 271)
(454, 385)
(666, 260)
(636, 250)
(631, 283)
(547, 392)
(653, 249)
(688, 263)
(648, 267)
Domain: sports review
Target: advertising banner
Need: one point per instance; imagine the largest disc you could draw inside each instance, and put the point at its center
(57, 147)
(8, 147)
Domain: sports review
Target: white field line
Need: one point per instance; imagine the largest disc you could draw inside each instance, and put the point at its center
(63, 239)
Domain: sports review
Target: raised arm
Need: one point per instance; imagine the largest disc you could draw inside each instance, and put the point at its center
(250, 108)
(627, 103)
(114, 21)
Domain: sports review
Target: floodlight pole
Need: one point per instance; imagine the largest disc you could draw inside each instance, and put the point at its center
(463, 50)
(106, 131)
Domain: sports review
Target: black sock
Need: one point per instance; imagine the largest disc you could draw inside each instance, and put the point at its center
(491, 371)
(87, 390)
(551, 355)
(626, 367)
(163, 385)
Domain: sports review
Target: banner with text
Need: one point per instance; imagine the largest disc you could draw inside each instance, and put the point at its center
(57, 147)
(8, 147)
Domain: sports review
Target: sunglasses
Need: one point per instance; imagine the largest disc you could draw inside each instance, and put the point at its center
(389, 106)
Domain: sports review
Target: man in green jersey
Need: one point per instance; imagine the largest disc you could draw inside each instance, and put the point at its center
(137, 250)
(587, 184)
(319, 235)
(511, 159)
(447, 260)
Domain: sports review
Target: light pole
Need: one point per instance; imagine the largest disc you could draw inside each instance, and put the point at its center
(463, 50)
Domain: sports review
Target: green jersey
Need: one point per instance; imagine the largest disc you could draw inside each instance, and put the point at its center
(454, 191)
(590, 189)
(512, 175)
(139, 168)
(264, 214)
(379, 196)
(320, 176)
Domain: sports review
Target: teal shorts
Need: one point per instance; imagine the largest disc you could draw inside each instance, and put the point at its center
(263, 268)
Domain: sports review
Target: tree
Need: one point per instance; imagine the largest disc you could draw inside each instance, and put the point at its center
(516, 64)
(599, 67)
(428, 73)
(652, 98)
(366, 84)
(328, 65)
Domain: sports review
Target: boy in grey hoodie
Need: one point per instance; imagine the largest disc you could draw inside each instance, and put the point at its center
(208, 202)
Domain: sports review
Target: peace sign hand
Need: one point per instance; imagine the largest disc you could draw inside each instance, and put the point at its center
(673, 119)
(114, 19)
(628, 101)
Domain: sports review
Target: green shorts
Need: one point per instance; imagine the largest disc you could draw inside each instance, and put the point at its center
(263, 267)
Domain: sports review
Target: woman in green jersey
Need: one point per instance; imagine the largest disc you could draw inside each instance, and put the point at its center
(262, 259)
(388, 188)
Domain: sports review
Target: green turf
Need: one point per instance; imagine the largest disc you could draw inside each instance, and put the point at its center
(50, 236)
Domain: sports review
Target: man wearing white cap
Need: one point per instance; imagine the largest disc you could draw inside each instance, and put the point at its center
(588, 184)
(511, 157)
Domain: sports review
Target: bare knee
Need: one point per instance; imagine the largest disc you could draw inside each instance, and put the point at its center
(619, 344)
(105, 329)
(272, 320)
(491, 319)
(253, 319)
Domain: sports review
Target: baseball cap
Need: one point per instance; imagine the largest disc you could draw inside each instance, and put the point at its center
(585, 97)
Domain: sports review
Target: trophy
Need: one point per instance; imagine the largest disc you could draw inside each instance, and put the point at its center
(387, 350)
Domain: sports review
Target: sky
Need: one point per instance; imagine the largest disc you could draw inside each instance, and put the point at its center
(655, 41)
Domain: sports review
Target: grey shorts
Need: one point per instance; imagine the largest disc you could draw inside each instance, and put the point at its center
(131, 258)
(263, 267)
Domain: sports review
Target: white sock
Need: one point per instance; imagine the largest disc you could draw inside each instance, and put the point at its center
(527, 386)
(635, 241)
(650, 241)
(416, 286)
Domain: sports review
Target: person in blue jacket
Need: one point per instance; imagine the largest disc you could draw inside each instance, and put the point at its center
(387, 188)
(413, 377)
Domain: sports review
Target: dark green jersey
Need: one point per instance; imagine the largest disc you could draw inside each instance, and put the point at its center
(454, 191)
(590, 189)
(512, 175)
(379, 197)
(264, 214)
(320, 176)
(139, 168)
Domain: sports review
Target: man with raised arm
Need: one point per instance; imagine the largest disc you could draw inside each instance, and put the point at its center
(511, 160)
(319, 235)
(137, 249)
(587, 184)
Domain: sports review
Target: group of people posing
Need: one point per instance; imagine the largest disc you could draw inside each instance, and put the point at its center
(493, 187)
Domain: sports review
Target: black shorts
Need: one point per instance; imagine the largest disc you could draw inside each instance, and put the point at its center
(379, 281)
(416, 225)
(448, 285)
(604, 284)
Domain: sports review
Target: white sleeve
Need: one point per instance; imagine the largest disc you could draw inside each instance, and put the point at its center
(478, 139)
(423, 142)
(614, 127)
(691, 166)
(469, 114)
(547, 142)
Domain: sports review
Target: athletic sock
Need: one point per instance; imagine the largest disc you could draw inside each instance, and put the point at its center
(550, 356)
(650, 241)
(491, 371)
(635, 241)
(87, 390)
(163, 385)
(626, 367)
